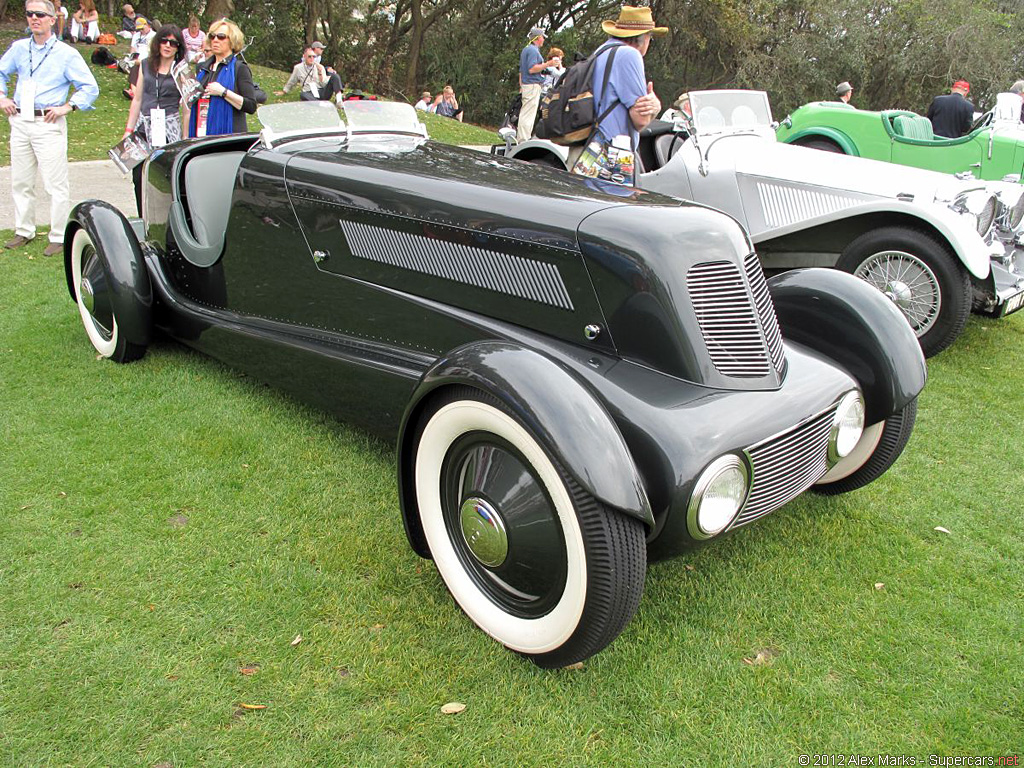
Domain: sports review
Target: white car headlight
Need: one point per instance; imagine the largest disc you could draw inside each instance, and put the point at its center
(847, 426)
(718, 496)
(980, 204)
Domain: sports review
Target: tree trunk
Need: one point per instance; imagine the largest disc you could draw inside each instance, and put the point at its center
(219, 9)
(415, 47)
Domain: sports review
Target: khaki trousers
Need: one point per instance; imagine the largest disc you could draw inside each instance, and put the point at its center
(36, 144)
(528, 114)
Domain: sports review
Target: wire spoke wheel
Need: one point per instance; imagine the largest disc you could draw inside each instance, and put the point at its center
(909, 283)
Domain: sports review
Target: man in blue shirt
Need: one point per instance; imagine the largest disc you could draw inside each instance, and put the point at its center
(531, 78)
(46, 68)
(628, 99)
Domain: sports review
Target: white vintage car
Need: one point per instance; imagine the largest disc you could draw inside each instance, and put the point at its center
(937, 245)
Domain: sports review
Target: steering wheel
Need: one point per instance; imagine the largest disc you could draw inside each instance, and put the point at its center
(982, 121)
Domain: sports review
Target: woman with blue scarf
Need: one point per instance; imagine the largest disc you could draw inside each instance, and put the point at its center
(228, 91)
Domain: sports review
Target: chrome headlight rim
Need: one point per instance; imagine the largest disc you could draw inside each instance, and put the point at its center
(1015, 214)
(717, 469)
(987, 215)
(847, 426)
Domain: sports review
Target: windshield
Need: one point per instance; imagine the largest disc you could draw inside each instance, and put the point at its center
(375, 122)
(300, 115)
(729, 111)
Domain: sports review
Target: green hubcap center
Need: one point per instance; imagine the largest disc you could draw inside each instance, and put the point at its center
(484, 531)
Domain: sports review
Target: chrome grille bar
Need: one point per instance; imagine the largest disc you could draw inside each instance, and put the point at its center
(787, 465)
(729, 322)
(765, 310)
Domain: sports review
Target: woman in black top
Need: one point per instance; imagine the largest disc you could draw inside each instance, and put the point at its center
(228, 91)
(156, 90)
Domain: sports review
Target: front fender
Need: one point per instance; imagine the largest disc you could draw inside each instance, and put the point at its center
(565, 417)
(535, 148)
(131, 291)
(821, 131)
(855, 325)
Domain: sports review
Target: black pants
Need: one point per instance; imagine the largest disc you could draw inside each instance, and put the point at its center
(327, 91)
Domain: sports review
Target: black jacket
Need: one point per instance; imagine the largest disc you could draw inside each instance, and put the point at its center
(243, 87)
(951, 115)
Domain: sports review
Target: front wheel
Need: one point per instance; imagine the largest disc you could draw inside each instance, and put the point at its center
(879, 446)
(920, 275)
(534, 560)
(93, 295)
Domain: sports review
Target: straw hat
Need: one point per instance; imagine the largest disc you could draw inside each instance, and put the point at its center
(632, 22)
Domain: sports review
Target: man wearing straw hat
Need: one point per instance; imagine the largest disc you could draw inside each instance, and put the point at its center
(628, 102)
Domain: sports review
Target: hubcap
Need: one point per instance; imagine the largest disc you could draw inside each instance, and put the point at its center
(88, 299)
(503, 525)
(909, 283)
(484, 531)
(94, 293)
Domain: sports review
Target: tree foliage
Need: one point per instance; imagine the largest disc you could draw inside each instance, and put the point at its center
(896, 53)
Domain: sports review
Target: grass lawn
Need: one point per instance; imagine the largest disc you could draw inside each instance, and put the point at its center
(91, 133)
(170, 526)
(169, 529)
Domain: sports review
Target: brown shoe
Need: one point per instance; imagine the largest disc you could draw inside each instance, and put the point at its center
(17, 241)
(53, 249)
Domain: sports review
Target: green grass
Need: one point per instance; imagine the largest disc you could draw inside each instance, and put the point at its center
(91, 133)
(168, 522)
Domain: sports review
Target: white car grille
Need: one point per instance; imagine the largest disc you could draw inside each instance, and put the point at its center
(739, 327)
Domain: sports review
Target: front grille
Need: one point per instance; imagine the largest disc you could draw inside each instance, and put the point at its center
(786, 465)
(742, 336)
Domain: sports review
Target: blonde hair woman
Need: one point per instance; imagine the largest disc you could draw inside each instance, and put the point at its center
(228, 91)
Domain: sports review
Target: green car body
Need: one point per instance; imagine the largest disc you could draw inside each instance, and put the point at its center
(993, 150)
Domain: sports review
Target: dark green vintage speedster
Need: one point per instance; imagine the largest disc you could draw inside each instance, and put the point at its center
(571, 377)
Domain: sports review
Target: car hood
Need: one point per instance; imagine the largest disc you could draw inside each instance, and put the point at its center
(755, 156)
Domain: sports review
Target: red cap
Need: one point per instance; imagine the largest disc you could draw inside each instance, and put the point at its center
(962, 85)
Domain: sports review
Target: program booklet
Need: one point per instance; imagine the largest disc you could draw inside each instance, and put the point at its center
(189, 88)
(130, 151)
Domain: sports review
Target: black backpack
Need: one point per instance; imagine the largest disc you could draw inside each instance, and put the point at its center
(567, 112)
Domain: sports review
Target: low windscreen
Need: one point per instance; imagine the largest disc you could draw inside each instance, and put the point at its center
(723, 111)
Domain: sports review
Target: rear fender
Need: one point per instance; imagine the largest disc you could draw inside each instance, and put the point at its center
(565, 417)
(823, 132)
(855, 325)
(131, 290)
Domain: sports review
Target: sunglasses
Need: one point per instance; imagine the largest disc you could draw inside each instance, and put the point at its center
(170, 41)
(219, 36)
(36, 14)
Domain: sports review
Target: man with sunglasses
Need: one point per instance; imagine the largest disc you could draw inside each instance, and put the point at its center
(314, 81)
(46, 68)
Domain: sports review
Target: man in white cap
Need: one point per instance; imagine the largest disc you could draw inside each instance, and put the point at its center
(531, 80)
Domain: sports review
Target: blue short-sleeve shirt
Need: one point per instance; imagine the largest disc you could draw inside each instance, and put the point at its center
(530, 57)
(626, 84)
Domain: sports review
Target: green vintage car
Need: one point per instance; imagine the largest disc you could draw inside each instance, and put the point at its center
(992, 150)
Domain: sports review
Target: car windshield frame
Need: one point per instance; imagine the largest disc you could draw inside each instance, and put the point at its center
(730, 111)
(312, 119)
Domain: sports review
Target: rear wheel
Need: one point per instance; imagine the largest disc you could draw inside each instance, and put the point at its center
(826, 145)
(89, 276)
(879, 446)
(534, 560)
(918, 274)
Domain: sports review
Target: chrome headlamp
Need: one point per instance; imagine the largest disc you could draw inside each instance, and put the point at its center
(847, 426)
(718, 496)
(982, 205)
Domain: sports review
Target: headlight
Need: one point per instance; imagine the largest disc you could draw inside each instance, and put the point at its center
(987, 216)
(980, 204)
(847, 426)
(718, 496)
(1016, 213)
